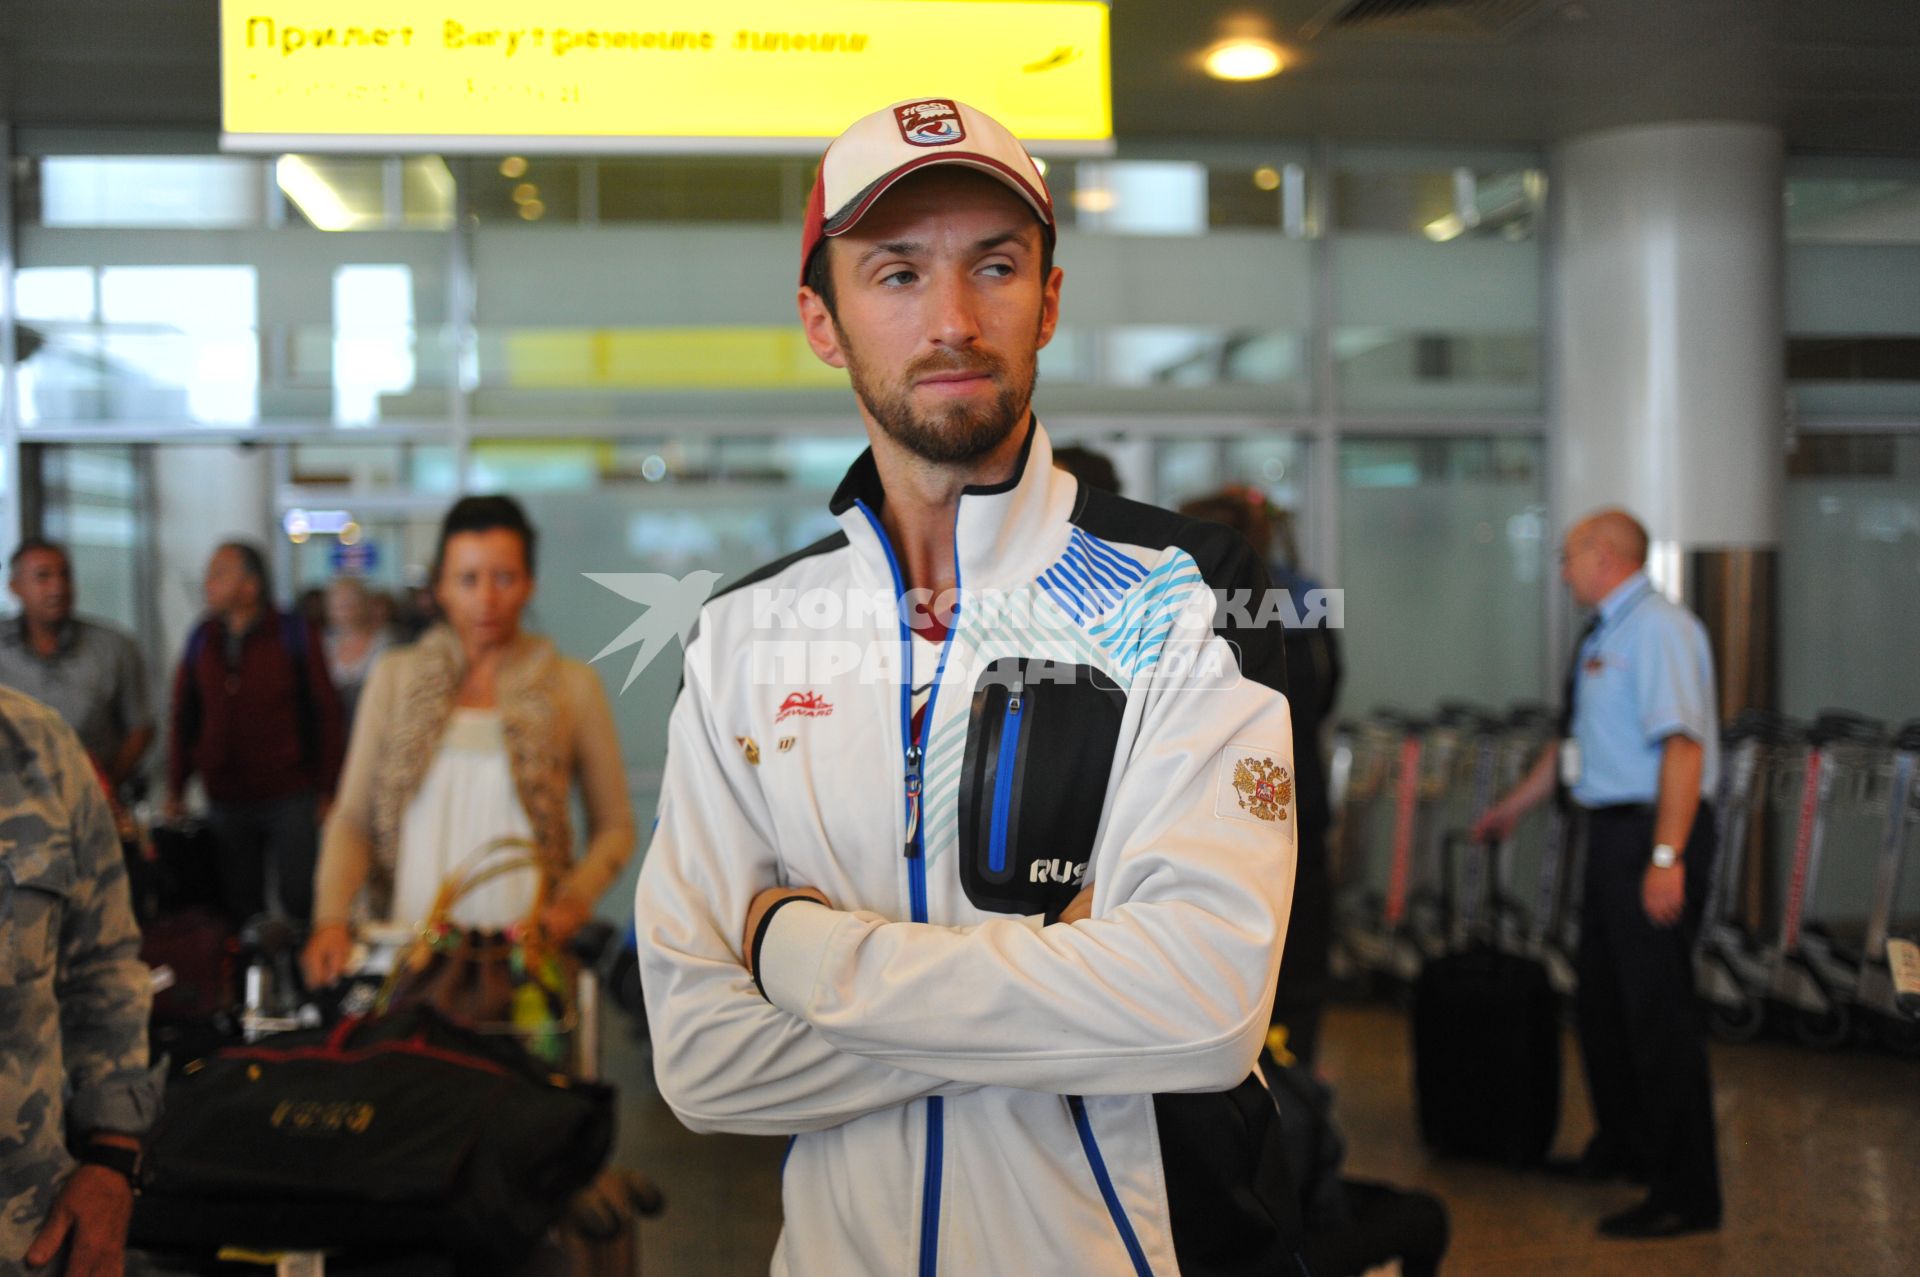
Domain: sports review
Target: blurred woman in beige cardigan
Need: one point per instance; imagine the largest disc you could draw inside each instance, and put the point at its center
(477, 731)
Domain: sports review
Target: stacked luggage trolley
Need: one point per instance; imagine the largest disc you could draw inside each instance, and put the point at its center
(1407, 789)
(1833, 807)
(1816, 823)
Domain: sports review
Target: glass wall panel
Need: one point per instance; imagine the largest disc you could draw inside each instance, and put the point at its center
(141, 342)
(1853, 287)
(202, 291)
(1185, 469)
(631, 320)
(1436, 277)
(228, 330)
(606, 289)
(96, 501)
(204, 192)
(1850, 577)
(1445, 556)
(1853, 328)
(1881, 207)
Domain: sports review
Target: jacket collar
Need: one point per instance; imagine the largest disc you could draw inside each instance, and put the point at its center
(1004, 535)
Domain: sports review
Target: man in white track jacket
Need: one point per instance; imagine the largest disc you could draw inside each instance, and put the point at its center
(979, 896)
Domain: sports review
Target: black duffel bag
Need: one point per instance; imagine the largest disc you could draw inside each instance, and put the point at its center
(398, 1130)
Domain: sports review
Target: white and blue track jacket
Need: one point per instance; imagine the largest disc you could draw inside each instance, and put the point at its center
(970, 1087)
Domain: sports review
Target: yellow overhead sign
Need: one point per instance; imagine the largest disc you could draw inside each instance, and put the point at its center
(649, 75)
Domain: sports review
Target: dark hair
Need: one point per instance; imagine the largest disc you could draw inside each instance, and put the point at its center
(253, 561)
(28, 545)
(483, 514)
(1095, 469)
(819, 275)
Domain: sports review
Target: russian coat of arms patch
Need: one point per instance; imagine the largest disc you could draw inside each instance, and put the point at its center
(1264, 787)
(1252, 786)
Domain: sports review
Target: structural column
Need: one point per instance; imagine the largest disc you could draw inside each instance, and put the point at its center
(1668, 395)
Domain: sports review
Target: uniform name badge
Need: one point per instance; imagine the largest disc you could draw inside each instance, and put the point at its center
(1569, 762)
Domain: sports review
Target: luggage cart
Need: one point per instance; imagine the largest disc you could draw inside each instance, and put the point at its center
(1353, 781)
(1385, 781)
(1903, 960)
(1731, 971)
(1540, 852)
(1813, 973)
(1876, 992)
(1444, 778)
(1469, 791)
(1361, 781)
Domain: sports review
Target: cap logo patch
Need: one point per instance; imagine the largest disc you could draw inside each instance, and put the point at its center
(934, 122)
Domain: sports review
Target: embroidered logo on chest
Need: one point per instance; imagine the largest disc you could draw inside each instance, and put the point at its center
(804, 705)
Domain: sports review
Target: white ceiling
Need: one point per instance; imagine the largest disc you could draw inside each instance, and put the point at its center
(1835, 75)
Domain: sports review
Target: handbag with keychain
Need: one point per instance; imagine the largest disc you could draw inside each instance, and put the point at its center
(516, 981)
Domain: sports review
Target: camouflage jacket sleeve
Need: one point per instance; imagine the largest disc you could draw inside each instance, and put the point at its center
(100, 982)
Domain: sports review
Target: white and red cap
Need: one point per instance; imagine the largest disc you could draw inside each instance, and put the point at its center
(877, 150)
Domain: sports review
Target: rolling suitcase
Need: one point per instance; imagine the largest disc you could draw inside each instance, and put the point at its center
(1486, 1049)
(199, 953)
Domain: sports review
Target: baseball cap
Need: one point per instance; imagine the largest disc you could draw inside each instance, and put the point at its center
(878, 150)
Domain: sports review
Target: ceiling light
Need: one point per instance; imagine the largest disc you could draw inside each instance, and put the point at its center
(1041, 165)
(1093, 199)
(532, 210)
(1267, 178)
(514, 166)
(1244, 60)
(1442, 229)
(525, 193)
(313, 195)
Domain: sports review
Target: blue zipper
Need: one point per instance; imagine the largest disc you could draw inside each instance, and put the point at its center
(1108, 1194)
(916, 854)
(1003, 781)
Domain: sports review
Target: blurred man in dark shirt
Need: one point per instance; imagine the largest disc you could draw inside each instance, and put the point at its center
(256, 717)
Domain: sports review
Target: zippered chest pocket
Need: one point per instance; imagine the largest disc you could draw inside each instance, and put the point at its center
(1041, 737)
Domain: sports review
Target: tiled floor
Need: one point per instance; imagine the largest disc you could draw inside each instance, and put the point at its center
(1820, 1155)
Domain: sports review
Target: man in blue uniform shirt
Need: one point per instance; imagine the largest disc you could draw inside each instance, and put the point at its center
(1639, 747)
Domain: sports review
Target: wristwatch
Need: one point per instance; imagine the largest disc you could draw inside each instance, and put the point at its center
(117, 1158)
(1665, 857)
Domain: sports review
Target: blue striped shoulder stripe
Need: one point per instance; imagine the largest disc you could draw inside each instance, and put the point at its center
(1090, 578)
(1134, 634)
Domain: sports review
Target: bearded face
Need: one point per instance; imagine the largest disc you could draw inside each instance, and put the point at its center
(945, 427)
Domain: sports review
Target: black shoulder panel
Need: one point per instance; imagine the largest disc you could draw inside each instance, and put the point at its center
(825, 545)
